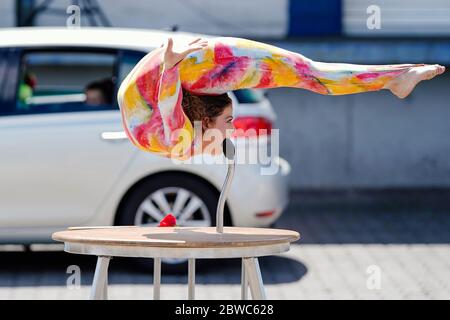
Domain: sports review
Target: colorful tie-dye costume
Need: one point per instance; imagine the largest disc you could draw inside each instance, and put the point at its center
(150, 97)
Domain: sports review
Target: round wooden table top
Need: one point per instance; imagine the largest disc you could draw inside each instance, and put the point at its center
(177, 237)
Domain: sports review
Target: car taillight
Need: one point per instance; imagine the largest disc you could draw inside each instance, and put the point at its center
(265, 214)
(251, 126)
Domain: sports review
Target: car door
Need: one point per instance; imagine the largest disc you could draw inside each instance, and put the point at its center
(60, 154)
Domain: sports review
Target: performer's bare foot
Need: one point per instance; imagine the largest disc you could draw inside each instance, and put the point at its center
(404, 84)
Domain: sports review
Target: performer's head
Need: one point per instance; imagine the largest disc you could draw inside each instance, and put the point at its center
(214, 111)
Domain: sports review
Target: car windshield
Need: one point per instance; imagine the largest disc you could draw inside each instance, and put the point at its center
(249, 95)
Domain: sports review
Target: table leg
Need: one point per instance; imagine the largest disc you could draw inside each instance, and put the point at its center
(191, 279)
(105, 288)
(99, 288)
(157, 279)
(244, 282)
(254, 278)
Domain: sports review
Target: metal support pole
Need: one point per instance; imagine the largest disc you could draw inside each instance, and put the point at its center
(229, 151)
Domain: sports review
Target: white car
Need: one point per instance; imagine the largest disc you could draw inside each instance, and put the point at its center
(64, 162)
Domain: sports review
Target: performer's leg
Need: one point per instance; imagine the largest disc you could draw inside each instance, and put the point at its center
(234, 63)
(345, 78)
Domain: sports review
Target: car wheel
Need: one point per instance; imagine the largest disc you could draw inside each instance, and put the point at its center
(190, 199)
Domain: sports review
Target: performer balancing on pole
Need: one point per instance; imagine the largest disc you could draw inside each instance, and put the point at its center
(175, 86)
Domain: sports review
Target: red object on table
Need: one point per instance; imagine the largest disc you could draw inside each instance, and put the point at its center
(168, 221)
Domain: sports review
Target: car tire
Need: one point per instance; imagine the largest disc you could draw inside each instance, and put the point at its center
(130, 210)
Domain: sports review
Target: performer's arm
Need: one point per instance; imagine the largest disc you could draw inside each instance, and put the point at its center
(150, 100)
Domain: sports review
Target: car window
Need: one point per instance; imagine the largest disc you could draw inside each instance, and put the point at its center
(8, 77)
(3, 71)
(249, 95)
(66, 81)
(129, 59)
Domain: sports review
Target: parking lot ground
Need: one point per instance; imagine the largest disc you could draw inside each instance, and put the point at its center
(351, 247)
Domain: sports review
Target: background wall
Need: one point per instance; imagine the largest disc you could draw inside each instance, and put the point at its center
(398, 17)
(370, 140)
(6, 13)
(264, 18)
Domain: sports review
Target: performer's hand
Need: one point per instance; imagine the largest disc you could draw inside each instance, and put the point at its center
(173, 56)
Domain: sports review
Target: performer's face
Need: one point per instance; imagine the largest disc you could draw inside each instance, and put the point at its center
(222, 126)
(224, 122)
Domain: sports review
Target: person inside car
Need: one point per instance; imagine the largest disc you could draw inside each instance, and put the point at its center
(99, 92)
